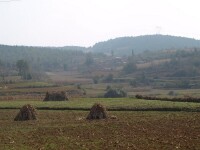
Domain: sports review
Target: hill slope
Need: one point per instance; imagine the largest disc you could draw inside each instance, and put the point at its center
(125, 45)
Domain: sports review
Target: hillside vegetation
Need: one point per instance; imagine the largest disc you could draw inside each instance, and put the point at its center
(125, 45)
(176, 66)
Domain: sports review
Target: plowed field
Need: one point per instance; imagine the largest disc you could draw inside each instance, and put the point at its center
(62, 130)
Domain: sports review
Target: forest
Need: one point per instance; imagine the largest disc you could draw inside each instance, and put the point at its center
(124, 45)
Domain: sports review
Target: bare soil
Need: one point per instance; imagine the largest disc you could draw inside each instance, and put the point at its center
(131, 130)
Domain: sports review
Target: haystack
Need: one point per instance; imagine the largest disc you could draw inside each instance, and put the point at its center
(97, 111)
(56, 96)
(27, 112)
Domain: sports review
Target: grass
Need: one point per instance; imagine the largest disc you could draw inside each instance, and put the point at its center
(110, 103)
(34, 85)
(30, 84)
(70, 130)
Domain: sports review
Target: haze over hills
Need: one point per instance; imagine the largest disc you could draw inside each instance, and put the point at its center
(145, 68)
(125, 45)
(77, 48)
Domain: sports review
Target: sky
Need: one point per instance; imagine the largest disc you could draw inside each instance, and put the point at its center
(86, 22)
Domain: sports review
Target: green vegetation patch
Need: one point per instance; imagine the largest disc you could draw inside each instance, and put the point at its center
(110, 103)
(34, 85)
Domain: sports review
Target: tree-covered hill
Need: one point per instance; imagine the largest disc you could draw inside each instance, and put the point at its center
(125, 45)
(45, 58)
(29, 61)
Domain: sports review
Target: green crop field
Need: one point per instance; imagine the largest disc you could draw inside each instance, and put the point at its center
(110, 103)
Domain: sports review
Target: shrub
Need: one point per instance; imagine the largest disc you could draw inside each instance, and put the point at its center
(109, 78)
(133, 83)
(56, 96)
(171, 93)
(78, 86)
(130, 67)
(108, 87)
(114, 93)
(96, 80)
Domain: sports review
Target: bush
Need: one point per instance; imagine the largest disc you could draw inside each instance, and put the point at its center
(108, 87)
(56, 96)
(109, 78)
(96, 80)
(78, 86)
(130, 67)
(133, 83)
(114, 93)
(171, 93)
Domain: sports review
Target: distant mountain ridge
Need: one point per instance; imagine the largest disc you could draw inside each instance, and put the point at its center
(77, 48)
(125, 45)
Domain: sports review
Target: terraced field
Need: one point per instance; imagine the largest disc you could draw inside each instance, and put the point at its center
(140, 124)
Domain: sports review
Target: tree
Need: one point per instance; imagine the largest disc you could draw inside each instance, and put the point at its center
(109, 78)
(96, 79)
(133, 54)
(113, 93)
(130, 67)
(112, 53)
(133, 83)
(184, 84)
(89, 59)
(1, 70)
(1, 63)
(65, 67)
(23, 68)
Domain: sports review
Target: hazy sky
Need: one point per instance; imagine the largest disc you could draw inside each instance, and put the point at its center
(85, 22)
